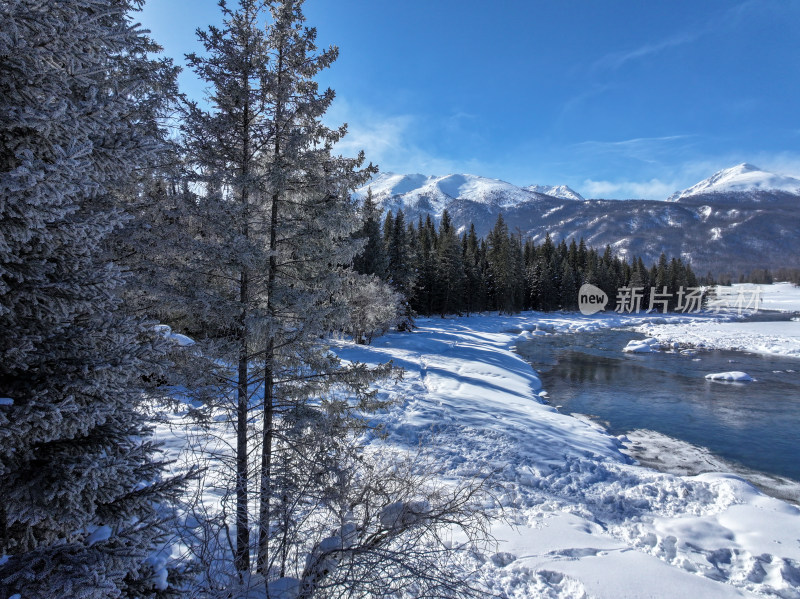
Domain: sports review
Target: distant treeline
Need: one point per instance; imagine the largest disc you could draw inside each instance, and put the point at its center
(758, 276)
(440, 271)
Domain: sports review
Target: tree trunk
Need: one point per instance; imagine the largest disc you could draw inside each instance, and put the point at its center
(269, 361)
(242, 557)
(266, 464)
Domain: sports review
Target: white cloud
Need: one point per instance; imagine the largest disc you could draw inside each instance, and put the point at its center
(781, 163)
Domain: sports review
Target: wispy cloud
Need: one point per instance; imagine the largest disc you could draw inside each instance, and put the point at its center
(615, 60)
(395, 142)
(727, 18)
(576, 102)
(635, 142)
(649, 150)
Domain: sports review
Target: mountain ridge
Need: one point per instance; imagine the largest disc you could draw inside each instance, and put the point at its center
(742, 178)
(721, 226)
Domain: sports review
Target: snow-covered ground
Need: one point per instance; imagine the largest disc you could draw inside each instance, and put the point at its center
(585, 520)
(780, 338)
(581, 518)
(780, 296)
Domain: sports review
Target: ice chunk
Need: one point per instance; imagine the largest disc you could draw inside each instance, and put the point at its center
(642, 346)
(734, 375)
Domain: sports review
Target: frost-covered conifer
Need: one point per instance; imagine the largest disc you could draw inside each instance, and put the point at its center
(79, 481)
(275, 229)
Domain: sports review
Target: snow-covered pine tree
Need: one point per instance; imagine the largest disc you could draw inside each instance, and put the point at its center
(276, 232)
(224, 146)
(79, 478)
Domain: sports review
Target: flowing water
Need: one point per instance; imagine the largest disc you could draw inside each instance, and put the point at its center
(755, 425)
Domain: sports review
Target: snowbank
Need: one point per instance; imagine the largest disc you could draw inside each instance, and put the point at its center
(776, 338)
(723, 332)
(177, 338)
(783, 297)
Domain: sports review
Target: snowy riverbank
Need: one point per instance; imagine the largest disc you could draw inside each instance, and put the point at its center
(587, 522)
(776, 338)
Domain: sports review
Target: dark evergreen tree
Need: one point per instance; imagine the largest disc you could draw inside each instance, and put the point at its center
(583, 255)
(388, 237)
(372, 260)
(568, 286)
(400, 270)
(422, 296)
(482, 296)
(450, 276)
(498, 256)
(517, 268)
(473, 281)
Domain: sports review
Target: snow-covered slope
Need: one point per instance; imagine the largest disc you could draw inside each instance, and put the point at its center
(556, 191)
(740, 178)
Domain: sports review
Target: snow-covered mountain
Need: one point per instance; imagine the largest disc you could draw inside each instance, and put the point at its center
(742, 178)
(738, 219)
(433, 193)
(557, 191)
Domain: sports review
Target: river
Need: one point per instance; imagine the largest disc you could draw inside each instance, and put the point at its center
(753, 427)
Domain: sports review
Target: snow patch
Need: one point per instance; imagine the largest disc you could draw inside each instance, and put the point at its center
(557, 191)
(177, 338)
(99, 534)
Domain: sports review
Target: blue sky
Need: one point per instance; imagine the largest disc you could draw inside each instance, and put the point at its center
(616, 99)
